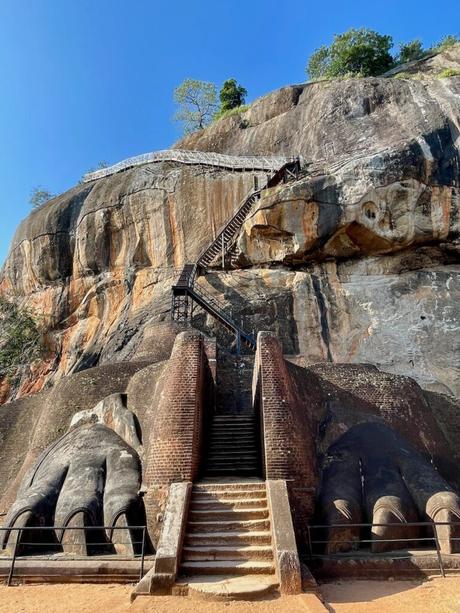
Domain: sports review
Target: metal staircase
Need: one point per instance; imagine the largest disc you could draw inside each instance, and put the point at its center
(185, 292)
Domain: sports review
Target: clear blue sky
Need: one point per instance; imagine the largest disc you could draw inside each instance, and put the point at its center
(90, 80)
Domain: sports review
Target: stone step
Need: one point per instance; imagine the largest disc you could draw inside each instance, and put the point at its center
(234, 526)
(241, 413)
(233, 461)
(232, 436)
(232, 448)
(228, 567)
(222, 495)
(237, 587)
(232, 439)
(228, 503)
(228, 538)
(236, 514)
(236, 417)
(229, 487)
(232, 457)
(232, 472)
(227, 466)
(250, 552)
(232, 425)
(222, 425)
(231, 469)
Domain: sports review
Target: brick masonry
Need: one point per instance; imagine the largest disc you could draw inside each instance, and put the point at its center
(174, 447)
(288, 440)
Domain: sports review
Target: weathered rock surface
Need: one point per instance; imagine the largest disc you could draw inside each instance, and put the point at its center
(357, 260)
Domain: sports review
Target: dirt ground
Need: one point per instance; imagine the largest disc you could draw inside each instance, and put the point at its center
(434, 596)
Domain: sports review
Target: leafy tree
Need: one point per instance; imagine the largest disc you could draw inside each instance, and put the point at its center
(21, 340)
(411, 51)
(231, 95)
(197, 103)
(318, 63)
(356, 52)
(39, 195)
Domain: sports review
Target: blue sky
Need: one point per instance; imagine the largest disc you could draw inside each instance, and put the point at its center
(90, 80)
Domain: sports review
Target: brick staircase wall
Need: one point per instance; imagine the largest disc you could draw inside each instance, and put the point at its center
(173, 451)
(286, 420)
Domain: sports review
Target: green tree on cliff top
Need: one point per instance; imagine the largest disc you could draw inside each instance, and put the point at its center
(360, 52)
(231, 95)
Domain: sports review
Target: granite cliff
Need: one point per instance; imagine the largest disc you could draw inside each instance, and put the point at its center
(356, 261)
(352, 262)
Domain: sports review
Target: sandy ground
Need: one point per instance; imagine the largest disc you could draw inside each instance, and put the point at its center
(434, 596)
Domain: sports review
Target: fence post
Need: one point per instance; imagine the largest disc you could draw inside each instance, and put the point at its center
(310, 548)
(438, 551)
(13, 561)
(141, 574)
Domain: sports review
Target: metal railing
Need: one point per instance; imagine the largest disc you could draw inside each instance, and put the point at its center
(57, 543)
(184, 287)
(316, 546)
(234, 162)
(218, 308)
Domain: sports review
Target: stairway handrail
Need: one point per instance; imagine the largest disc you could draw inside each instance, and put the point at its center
(188, 156)
(214, 304)
(252, 194)
(227, 223)
(185, 285)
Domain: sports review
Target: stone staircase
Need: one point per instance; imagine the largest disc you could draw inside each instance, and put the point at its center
(228, 533)
(233, 446)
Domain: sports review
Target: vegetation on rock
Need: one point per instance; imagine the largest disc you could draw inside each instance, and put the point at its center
(39, 196)
(197, 104)
(21, 341)
(446, 42)
(231, 112)
(408, 52)
(232, 96)
(366, 53)
(448, 72)
(360, 52)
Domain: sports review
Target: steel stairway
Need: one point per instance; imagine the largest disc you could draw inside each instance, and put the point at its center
(185, 291)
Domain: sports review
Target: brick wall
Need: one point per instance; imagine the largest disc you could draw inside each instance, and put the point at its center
(174, 447)
(288, 438)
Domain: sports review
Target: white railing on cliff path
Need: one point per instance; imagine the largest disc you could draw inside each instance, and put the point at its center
(237, 162)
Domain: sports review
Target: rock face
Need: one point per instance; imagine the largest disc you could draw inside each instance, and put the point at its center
(355, 261)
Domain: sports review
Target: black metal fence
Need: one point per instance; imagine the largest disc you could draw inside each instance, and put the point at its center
(317, 540)
(40, 540)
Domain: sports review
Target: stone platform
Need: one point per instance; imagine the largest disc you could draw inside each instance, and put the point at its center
(404, 564)
(55, 569)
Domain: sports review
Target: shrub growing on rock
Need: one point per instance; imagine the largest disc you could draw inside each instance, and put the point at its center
(448, 72)
(408, 52)
(448, 41)
(21, 341)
